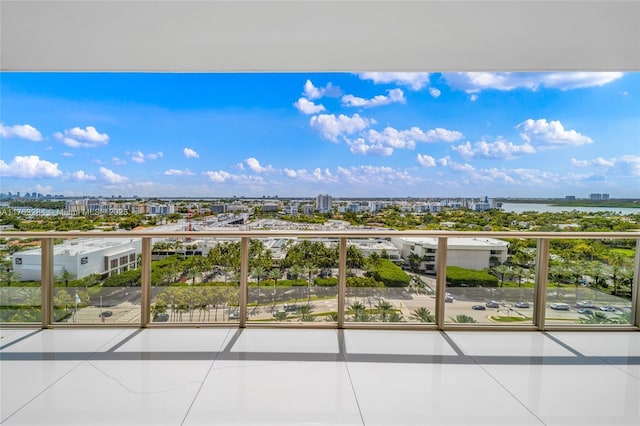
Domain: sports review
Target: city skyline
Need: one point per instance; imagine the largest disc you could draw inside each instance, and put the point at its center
(303, 134)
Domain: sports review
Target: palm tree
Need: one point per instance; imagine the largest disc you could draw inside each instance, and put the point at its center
(395, 317)
(422, 315)
(9, 276)
(306, 313)
(275, 275)
(310, 270)
(332, 317)
(463, 319)
(384, 309)
(595, 317)
(359, 312)
(501, 271)
(374, 260)
(65, 276)
(258, 272)
(280, 316)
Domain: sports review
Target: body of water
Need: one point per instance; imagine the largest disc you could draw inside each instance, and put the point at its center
(543, 208)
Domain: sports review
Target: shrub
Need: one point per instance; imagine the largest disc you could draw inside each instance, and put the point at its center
(391, 275)
(461, 277)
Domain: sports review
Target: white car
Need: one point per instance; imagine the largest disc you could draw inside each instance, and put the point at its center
(559, 306)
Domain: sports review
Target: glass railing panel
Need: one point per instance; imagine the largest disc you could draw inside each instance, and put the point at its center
(381, 286)
(97, 281)
(195, 280)
(20, 280)
(490, 281)
(293, 280)
(590, 282)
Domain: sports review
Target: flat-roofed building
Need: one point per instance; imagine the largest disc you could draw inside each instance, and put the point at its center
(82, 257)
(470, 253)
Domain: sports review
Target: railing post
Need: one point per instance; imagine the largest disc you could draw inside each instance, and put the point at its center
(244, 275)
(441, 281)
(342, 280)
(145, 283)
(635, 287)
(46, 281)
(540, 291)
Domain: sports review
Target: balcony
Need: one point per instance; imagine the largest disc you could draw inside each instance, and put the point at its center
(322, 293)
(258, 357)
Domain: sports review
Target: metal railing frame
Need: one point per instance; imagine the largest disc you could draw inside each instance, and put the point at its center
(540, 289)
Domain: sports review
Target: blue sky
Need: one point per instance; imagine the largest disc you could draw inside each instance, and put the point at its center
(298, 135)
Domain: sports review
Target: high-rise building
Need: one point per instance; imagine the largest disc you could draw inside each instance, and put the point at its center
(323, 203)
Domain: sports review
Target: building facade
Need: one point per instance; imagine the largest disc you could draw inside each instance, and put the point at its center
(82, 257)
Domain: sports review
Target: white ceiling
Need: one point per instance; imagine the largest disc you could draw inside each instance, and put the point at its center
(319, 35)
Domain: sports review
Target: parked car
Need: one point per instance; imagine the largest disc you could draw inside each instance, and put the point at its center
(585, 311)
(585, 304)
(492, 304)
(161, 318)
(291, 307)
(559, 306)
(521, 304)
(607, 308)
(478, 308)
(448, 298)
(105, 314)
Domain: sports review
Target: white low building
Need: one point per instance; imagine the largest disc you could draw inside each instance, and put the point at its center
(470, 253)
(82, 257)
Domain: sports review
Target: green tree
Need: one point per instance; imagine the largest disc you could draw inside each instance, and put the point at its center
(463, 319)
(422, 315)
(502, 272)
(65, 276)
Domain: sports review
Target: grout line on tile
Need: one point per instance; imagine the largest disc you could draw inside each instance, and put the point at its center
(204, 379)
(508, 391)
(79, 362)
(342, 350)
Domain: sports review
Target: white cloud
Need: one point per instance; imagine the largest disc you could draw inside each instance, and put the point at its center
(176, 172)
(458, 167)
(67, 154)
(313, 92)
(80, 175)
(473, 97)
(22, 131)
(476, 81)
(499, 149)
(359, 146)
(254, 165)
(117, 161)
(77, 137)
(29, 167)
(545, 132)
(220, 176)
(331, 127)
(394, 96)
(407, 138)
(375, 175)
(434, 92)
(139, 157)
(413, 80)
(190, 153)
(426, 160)
(112, 177)
(307, 107)
(627, 164)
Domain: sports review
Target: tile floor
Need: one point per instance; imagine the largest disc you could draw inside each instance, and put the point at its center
(299, 377)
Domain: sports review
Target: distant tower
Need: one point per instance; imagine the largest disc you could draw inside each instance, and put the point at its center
(323, 203)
